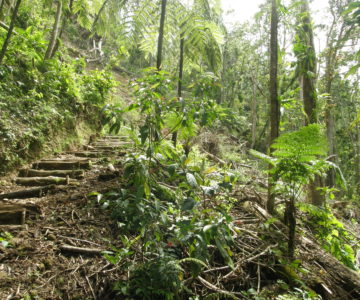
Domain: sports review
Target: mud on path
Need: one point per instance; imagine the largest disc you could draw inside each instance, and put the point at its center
(56, 230)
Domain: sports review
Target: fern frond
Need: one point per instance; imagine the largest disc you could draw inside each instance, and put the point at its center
(193, 260)
(218, 295)
(305, 144)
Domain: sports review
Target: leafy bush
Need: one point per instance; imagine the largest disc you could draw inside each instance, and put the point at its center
(96, 86)
(331, 232)
(39, 96)
(158, 278)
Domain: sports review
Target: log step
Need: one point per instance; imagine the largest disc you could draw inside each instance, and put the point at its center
(62, 165)
(116, 137)
(28, 193)
(87, 154)
(115, 144)
(77, 174)
(41, 181)
(12, 215)
(108, 148)
(112, 140)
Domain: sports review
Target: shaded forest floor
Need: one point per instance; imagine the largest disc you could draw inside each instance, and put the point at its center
(33, 266)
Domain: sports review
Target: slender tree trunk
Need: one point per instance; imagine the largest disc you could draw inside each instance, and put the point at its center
(63, 25)
(334, 44)
(330, 67)
(307, 65)
(10, 31)
(1, 8)
(99, 14)
(55, 32)
(274, 101)
(291, 210)
(179, 88)
(357, 160)
(330, 129)
(253, 114)
(57, 44)
(161, 35)
(181, 66)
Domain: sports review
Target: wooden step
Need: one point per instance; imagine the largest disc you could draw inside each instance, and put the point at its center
(111, 140)
(87, 154)
(12, 215)
(108, 148)
(28, 193)
(41, 181)
(78, 174)
(110, 144)
(62, 165)
(115, 137)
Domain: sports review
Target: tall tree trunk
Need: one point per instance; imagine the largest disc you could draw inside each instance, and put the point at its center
(161, 35)
(307, 65)
(274, 101)
(10, 31)
(55, 32)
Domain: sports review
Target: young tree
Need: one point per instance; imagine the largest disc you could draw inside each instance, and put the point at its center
(10, 31)
(273, 89)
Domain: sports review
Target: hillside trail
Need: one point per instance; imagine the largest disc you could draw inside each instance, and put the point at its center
(54, 231)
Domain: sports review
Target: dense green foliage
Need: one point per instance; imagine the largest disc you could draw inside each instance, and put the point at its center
(173, 207)
(39, 97)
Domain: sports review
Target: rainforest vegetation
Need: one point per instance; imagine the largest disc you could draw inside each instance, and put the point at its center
(240, 174)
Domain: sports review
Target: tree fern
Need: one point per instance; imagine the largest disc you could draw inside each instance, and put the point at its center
(305, 145)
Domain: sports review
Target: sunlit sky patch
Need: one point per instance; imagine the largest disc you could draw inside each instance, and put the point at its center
(239, 11)
(244, 10)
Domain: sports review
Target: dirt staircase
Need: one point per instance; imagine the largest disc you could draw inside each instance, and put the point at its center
(48, 176)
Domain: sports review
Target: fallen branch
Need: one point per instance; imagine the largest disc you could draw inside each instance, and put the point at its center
(215, 158)
(78, 250)
(91, 288)
(79, 240)
(214, 288)
(3, 25)
(249, 259)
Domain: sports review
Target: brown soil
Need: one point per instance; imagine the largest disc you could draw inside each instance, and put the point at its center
(34, 267)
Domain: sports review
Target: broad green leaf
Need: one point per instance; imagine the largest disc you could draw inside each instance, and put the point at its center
(188, 204)
(191, 180)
